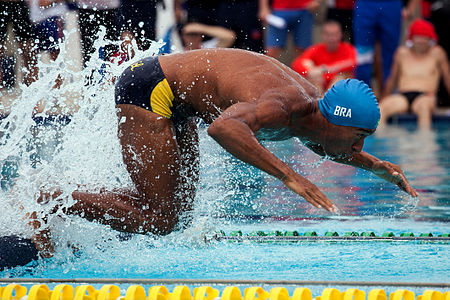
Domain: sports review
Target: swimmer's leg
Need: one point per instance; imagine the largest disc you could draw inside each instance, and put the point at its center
(152, 157)
(391, 105)
(187, 139)
(423, 107)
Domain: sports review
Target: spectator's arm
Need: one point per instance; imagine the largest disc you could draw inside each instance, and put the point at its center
(306, 59)
(443, 64)
(263, 10)
(342, 66)
(391, 82)
(224, 36)
(308, 64)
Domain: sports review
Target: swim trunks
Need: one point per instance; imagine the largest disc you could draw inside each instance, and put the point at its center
(411, 96)
(144, 84)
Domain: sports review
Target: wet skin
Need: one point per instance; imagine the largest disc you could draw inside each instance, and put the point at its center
(245, 97)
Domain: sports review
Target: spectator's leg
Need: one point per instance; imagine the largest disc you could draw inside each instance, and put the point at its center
(390, 24)
(275, 37)
(377, 77)
(423, 107)
(364, 22)
(391, 105)
(303, 31)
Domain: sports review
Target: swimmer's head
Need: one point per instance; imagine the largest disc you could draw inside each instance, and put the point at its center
(351, 102)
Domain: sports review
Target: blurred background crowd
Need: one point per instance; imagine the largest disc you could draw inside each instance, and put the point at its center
(400, 48)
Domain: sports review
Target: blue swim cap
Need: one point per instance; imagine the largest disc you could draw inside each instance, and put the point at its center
(351, 102)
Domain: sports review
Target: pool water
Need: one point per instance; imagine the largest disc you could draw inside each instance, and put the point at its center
(234, 196)
(231, 196)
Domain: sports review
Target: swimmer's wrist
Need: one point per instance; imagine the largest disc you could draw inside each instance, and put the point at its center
(287, 175)
(283, 178)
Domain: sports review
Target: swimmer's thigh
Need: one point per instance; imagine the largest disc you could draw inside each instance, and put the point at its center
(151, 155)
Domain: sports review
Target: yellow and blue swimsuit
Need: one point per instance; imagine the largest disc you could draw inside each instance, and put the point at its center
(144, 84)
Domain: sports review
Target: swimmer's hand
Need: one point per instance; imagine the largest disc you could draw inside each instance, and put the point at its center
(394, 174)
(310, 192)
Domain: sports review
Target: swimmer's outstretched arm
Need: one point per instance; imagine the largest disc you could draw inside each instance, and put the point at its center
(383, 169)
(234, 130)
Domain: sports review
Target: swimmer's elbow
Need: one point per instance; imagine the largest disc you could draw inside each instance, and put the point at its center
(216, 128)
(222, 127)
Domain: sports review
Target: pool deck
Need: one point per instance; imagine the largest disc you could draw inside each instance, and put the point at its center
(442, 114)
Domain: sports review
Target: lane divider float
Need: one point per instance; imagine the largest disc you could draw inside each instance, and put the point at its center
(182, 292)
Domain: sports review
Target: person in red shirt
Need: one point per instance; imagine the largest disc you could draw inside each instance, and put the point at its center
(325, 63)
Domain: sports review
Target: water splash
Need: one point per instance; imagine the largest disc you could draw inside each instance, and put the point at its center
(85, 152)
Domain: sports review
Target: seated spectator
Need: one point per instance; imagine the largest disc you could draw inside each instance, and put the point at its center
(416, 72)
(325, 63)
(193, 34)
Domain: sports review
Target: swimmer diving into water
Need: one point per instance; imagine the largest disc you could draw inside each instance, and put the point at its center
(245, 97)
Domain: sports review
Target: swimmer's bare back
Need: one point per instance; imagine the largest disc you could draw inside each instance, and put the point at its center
(211, 80)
